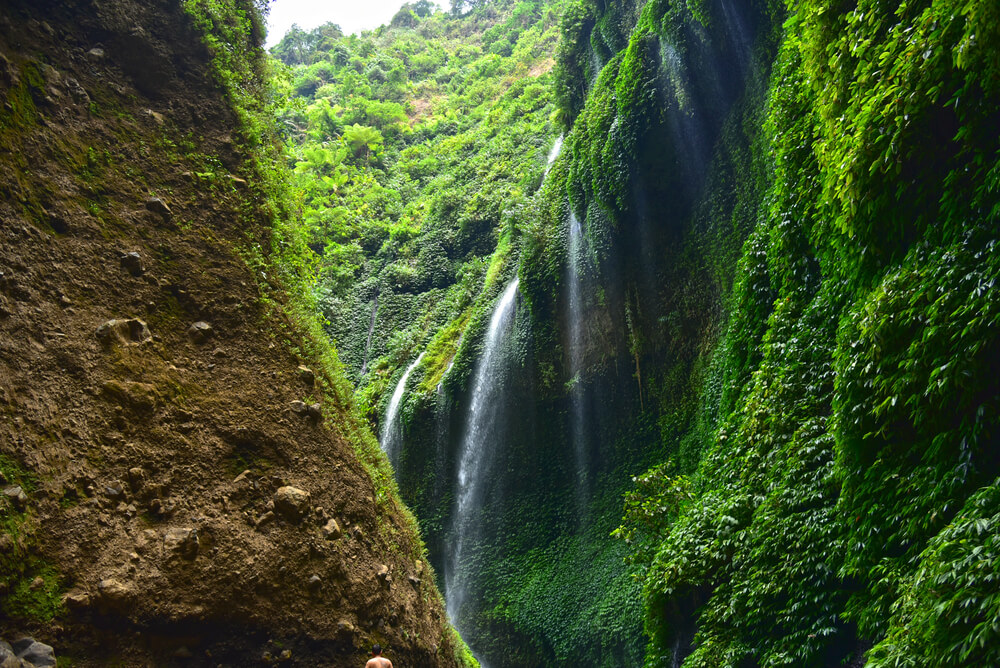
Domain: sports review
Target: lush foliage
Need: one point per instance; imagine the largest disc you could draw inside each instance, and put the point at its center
(789, 214)
(412, 146)
(844, 497)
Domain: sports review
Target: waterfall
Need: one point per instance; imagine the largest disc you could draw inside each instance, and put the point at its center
(574, 314)
(553, 154)
(478, 443)
(392, 433)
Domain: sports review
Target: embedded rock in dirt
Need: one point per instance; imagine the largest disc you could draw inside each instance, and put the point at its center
(182, 542)
(158, 206)
(132, 263)
(200, 331)
(331, 530)
(128, 331)
(306, 375)
(16, 496)
(291, 503)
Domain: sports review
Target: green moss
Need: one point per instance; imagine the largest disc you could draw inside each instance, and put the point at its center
(35, 592)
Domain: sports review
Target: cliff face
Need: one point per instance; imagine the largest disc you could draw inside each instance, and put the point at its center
(155, 456)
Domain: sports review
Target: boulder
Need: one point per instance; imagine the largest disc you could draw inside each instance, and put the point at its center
(291, 503)
(7, 657)
(35, 653)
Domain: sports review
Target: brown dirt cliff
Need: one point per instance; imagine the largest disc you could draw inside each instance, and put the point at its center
(172, 493)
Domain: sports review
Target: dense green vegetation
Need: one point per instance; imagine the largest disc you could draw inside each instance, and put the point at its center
(832, 490)
(790, 370)
(412, 145)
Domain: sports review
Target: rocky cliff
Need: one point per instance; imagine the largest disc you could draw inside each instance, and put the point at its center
(181, 470)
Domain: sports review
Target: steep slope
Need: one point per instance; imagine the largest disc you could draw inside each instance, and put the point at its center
(154, 454)
(827, 493)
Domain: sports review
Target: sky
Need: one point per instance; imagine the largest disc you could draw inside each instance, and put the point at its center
(353, 16)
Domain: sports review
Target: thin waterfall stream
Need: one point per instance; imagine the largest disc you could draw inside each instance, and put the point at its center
(477, 444)
(578, 431)
(391, 438)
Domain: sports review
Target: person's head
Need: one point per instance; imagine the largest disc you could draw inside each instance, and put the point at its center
(377, 650)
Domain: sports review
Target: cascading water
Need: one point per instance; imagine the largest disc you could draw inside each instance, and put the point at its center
(478, 443)
(392, 432)
(553, 154)
(574, 315)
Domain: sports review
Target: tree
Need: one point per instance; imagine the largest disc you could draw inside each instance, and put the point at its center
(363, 141)
(423, 8)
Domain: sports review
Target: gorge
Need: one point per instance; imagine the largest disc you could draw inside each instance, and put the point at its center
(676, 320)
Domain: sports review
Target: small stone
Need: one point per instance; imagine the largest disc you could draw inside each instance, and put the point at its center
(241, 477)
(314, 411)
(112, 591)
(157, 205)
(37, 583)
(132, 263)
(136, 478)
(306, 375)
(130, 331)
(16, 496)
(200, 331)
(182, 541)
(114, 489)
(76, 599)
(264, 520)
(291, 503)
(156, 116)
(383, 572)
(95, 54)
(315, 583)
(331, 530)
(299, 407)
